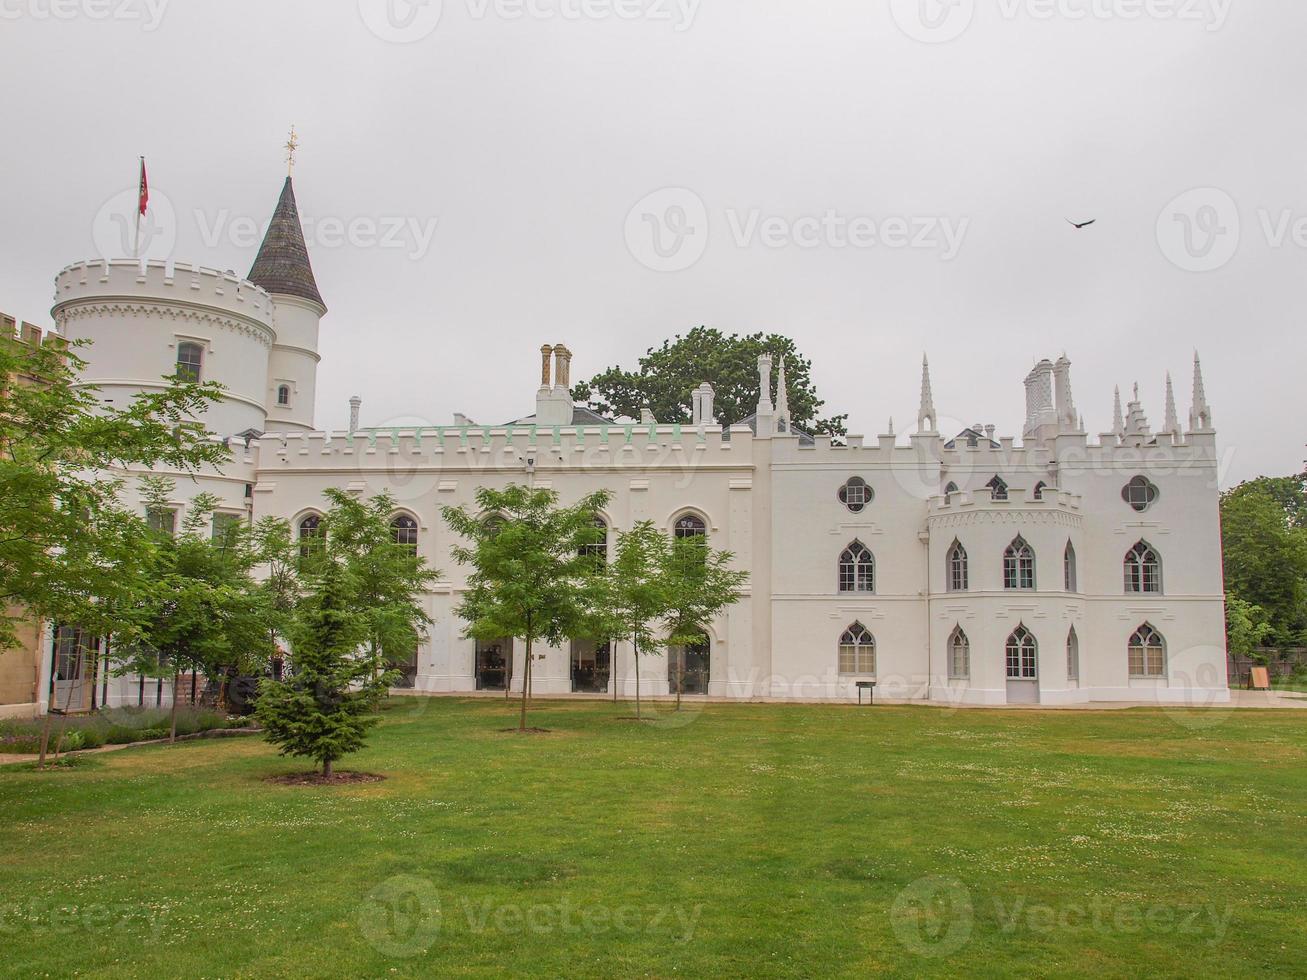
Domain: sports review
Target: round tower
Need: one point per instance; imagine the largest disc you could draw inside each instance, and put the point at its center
(148, 321)
(282, 268)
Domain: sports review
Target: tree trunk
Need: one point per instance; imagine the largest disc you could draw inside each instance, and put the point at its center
(45, 738)
(526, 684)
(637, 681)
(172, 721)
(326, 769)
(680, 675)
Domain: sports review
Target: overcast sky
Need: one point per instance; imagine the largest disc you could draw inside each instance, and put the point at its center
(873, 177)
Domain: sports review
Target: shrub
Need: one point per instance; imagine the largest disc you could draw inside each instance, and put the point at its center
(120, 735)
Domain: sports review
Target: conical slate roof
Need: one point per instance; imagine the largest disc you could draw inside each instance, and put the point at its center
(283, 265)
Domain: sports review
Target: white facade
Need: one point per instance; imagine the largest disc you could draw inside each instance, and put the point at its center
(771, 496)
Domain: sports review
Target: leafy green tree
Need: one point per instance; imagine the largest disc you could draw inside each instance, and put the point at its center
(1246, 626)
(201, 610)
(1266, 557)
(324, 709)
(531, 576)
(387, 580)
(698, 585)
(70, 552)
(635, 592)
(277, 554)
(668, 375)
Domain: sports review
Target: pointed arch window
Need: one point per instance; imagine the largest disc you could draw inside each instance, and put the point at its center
(690, 526)
(1022, 655)
(310, 534)
(404, 531)
(1069, 571)
(1143, 570)
(958, 570)
(857, 651)
(998, 488)
(952, 488)
(190, 361)
(1019, 566)
(857, 569)
(598, 548)
(1147, 653)
(1040, 487)
(1073, 655)
(959, 656)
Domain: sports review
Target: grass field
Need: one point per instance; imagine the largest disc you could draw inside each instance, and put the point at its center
(732, 840)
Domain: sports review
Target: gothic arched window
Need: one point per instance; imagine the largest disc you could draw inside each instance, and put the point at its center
(1069, 576)
(997, 488)
(310, 534)
(1143, 570)
(1019, 566)
(690, 526)
(1073, 655)
(1022, 655)
(1147, 653)
(959, 655)
(952, 488)
(404, 530)
(857, 569)
(958, 571)
(857, 651)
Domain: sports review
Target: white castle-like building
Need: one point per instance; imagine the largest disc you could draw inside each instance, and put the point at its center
(945, 567)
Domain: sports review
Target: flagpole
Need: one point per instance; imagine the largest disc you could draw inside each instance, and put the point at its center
(136, 247)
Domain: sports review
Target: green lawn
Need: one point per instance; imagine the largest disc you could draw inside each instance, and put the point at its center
(733, 840)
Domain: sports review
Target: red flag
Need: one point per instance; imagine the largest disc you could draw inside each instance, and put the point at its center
(144, 201)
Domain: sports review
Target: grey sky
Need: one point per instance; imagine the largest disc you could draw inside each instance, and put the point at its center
(529, 139)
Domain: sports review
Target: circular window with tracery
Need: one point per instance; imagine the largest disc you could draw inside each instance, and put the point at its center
(1140, 493)
(856, 494)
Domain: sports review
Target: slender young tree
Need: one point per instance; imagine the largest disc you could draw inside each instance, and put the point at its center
(635, 598)
(530, 577)
(202, 611)
(387, 579)
(698, 585)
(325, 708)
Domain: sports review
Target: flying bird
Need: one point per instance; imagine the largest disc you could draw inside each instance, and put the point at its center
(1083, 224)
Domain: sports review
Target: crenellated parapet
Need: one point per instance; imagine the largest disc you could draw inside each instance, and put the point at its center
(127, 288)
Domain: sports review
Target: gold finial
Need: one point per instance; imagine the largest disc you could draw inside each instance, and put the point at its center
(292, 145)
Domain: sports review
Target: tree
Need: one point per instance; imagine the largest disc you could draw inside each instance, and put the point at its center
(635, 596)
(668, 375)
(325, 708)
(201, 611)
(698, 584)
(70, 552)
(278, 554)
(1266, 557)
(1246, 626)
(531, 578)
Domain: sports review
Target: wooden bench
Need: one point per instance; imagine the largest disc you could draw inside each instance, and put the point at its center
(870, 688)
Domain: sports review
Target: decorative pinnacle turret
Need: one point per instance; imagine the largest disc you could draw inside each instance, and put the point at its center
(1118, 417)
(926, 414)
(782, 396)
(1172, 424)
(1200, 416)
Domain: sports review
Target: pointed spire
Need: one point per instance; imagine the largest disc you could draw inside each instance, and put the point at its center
(282, 266)
(1118, 417)
(1200, 416)
(1136, 422)
(782, 395)
(926, 421)
(1172, 425)
(891, 425)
